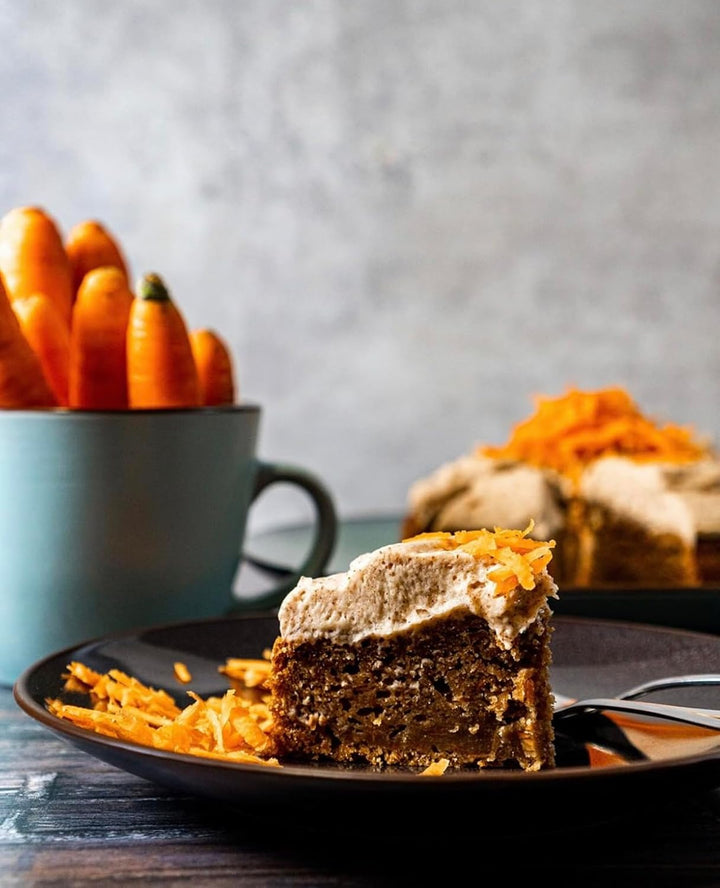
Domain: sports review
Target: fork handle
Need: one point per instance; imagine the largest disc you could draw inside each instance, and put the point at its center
(655, 710)
(672, 681)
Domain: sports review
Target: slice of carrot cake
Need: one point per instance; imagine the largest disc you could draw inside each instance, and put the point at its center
(434, 650)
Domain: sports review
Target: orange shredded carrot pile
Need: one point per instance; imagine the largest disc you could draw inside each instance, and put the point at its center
(229, 727)
(568, 432)
(519, 560)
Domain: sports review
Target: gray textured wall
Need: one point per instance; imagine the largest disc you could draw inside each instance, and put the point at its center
(405, 217)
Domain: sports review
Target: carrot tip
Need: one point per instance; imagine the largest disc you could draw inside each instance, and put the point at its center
(152, 286)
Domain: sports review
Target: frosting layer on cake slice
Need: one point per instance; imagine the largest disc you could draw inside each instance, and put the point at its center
(499, 576)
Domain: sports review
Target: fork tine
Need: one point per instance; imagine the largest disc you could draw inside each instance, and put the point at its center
(672, 681)
(655, 710)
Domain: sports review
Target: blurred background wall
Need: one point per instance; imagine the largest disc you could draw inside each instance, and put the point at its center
(406, 218)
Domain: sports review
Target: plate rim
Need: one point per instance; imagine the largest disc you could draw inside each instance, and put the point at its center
(83, 737)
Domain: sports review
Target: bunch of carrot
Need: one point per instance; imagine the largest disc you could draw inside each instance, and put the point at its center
(73, 333)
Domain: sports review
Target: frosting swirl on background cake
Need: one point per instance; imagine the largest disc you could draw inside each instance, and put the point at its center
(500, 576)
(698, 485)
(477, 491)
(638, 492)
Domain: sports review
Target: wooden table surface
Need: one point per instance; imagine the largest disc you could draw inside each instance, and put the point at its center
(68, 819)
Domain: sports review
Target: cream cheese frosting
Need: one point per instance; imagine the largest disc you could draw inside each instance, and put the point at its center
(480, 491)
(638, 492)
(403, 585)
(698, 485)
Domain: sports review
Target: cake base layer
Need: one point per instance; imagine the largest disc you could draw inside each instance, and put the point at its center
(613, 551)
(708, 554)
(444, 690)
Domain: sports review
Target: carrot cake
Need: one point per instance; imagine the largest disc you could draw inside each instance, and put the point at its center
(629, 501)
(433, 652)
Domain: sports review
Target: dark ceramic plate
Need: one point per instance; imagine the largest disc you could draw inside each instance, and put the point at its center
(591, 658)
(696, 608)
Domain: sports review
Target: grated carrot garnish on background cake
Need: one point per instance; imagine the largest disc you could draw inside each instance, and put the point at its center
(519, 560)
(568, 432)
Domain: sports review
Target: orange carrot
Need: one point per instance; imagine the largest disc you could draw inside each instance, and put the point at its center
(98, 367)
(90, 245)
(214, 367)
(49, 337)
(22, 381)
(161, 367)
(33, 258)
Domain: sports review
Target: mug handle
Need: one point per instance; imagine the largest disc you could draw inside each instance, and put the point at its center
(323, 544)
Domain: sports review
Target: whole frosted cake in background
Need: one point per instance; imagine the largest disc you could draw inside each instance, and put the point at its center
(629, 501)
(429, 653)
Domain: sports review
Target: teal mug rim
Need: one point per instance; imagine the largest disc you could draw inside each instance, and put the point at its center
(245, 407)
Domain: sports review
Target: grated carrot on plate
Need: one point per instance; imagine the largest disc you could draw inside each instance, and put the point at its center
(250, 673)
(230, 727)
(436, 769)
(182, 673)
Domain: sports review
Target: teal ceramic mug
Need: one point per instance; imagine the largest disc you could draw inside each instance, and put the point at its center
(111, 521)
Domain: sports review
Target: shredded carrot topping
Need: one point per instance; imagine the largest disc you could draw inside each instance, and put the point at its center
(568, 432)
(519, 560)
